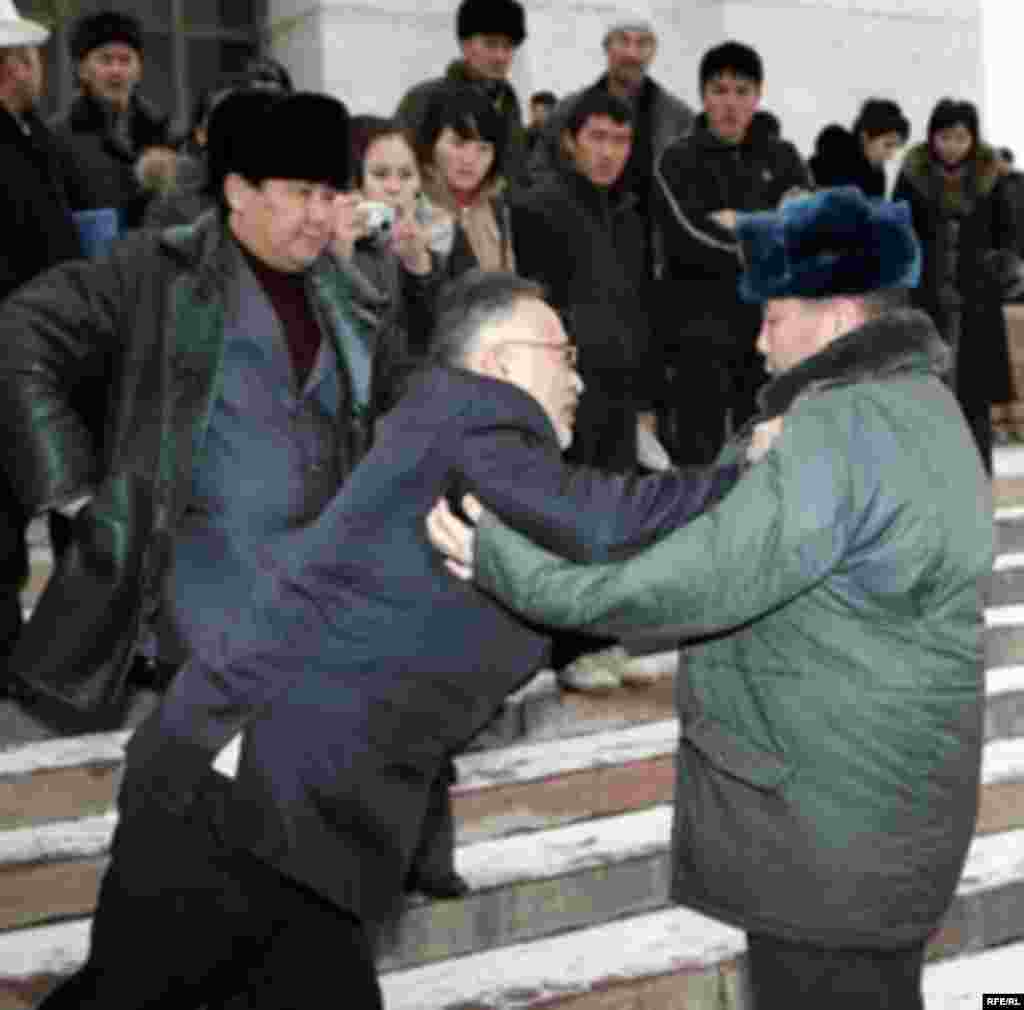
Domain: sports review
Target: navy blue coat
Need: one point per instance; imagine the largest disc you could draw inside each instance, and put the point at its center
(360, 662)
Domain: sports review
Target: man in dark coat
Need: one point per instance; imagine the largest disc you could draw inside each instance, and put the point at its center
(728, 164)
(659, 117)
(489, 33)
(357, 669)
(110, 126)
(36, 232)
(581, 235)
(212, 355)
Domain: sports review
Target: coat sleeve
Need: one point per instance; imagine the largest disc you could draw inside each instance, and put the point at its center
(780, 531)
(683, 204)
(58, 335)
(581, 512)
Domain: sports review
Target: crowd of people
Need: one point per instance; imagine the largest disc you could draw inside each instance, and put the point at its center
(238, 368)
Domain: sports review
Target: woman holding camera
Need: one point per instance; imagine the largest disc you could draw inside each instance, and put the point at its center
(962, 214)
(460, 147)
(382, 238)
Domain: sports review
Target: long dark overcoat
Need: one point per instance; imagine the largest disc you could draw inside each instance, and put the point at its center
(138, 335)
(956, 233)
(360, 663)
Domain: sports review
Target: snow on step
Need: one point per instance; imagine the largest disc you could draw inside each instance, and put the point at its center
(1002, 761)
(67, 752)
(1009, 616)
(1004, 680)
(558, 851)
(992, 862)
(46, 950)
(669, 940)
(576, 963)
(505, 860)
(958, 984)
(534, 762)
(85, 838)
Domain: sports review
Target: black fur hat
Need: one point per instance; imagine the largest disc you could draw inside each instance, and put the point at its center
(491, 17)
(833, 242)
(100, 29)
(261, 134)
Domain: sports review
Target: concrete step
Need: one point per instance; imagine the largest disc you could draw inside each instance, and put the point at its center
(669, 959)
(500, 789)
(960, 982)
(548, 879)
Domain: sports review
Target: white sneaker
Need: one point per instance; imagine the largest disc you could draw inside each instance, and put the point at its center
(642, 671)
(595, 672)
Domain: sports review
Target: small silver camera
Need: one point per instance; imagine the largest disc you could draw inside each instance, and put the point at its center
(380, 219)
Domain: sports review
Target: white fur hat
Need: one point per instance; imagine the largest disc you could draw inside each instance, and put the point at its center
(18, 31)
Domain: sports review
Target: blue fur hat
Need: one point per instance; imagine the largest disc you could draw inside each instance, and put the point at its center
(833, 242)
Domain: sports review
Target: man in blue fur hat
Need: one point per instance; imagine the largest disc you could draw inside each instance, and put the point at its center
(831, 713)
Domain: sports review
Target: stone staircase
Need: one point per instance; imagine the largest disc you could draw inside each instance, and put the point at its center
(563, 821)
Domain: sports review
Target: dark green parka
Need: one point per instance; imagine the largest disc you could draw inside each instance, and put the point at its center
(831, 704)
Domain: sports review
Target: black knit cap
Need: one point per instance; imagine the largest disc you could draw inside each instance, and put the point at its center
(491, 17)
(101, 29)
(261, 134)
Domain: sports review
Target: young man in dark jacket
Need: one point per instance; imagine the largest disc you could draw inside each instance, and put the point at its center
(660, 118)
(348, 667)
(581, 236)
(728, 164)
(580, 233)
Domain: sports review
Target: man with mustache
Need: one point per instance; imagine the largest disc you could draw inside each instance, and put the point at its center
(659, 117)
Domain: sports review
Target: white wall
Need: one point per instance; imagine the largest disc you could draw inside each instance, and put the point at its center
(1002, 22)
(822, 57)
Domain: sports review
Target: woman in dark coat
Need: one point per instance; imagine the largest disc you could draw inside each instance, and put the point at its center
(962, 214)
(857, 157)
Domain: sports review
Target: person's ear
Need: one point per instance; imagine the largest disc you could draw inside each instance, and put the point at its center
(568, 144)
(236, 192)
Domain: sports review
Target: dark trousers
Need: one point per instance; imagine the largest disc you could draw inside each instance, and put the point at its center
(708, 396)
(802, 977)
(979, 420)
(183, 923)
(605, 432)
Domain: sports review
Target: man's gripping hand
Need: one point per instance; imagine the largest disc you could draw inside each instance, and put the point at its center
(454, 538)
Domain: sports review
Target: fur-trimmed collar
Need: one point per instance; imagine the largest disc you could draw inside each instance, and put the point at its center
(925, 175)
(900, 342)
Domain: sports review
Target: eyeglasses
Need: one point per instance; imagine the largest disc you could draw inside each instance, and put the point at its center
(569, 352)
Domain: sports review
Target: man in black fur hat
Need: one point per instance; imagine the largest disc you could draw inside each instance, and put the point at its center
(110, 126)
(231, 369)
(489, 33)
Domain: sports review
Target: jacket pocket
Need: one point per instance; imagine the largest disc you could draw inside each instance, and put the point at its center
(736, 756)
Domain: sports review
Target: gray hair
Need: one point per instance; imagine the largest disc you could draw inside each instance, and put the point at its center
(477, 299)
